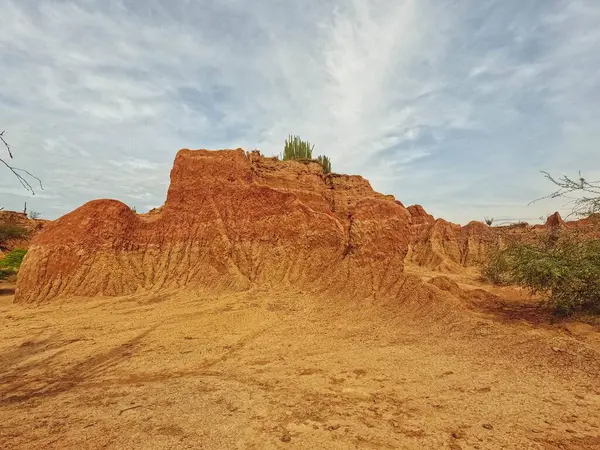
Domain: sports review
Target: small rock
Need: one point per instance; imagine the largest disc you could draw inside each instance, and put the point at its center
(487, 426)
(458, 434)
(557, 349)
(286, 437)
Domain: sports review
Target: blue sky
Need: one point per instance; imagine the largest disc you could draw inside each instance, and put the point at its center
(456, 105)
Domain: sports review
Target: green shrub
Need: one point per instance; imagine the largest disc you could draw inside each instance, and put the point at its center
(8, 232)
(564, 269)
(10, 264)
(494, 271)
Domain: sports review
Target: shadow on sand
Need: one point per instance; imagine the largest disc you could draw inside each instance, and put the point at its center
(26, 374)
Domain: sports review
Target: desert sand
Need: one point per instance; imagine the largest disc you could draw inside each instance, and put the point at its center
(263, 370)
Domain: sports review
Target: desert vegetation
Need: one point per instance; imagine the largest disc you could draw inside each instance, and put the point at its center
(563, 266)
(587, 193)
(296, 148)
(10, 263)
(9, 232)
(325, 162)
(564, 269)
(300, 150)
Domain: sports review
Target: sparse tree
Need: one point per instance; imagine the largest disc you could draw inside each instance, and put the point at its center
(584, 204)
(562, 266)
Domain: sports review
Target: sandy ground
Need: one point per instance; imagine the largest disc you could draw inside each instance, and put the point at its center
(261, 370)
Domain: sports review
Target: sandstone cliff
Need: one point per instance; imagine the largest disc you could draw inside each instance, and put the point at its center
(231, 220)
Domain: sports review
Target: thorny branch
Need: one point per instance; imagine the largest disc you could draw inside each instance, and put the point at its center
(18, 172)
(6, 143)
(584, 205)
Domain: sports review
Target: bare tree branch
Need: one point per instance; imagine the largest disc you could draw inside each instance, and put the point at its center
(17, 172)
(587, 203)
(6, 144)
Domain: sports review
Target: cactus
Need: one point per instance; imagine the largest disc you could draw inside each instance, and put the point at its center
(325, 162)
(296, 148)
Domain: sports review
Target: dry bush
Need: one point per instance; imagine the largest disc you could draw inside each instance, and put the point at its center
(10, 232)
(565, 269)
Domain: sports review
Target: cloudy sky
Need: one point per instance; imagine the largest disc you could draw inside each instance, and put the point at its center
(453, 104)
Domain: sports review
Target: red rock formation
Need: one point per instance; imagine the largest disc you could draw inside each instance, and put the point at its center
(421, 220)
(446, 247)
(555, 220)
(231, 220)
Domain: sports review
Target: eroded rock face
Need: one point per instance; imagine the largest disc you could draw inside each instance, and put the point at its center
(421, 220)
(446, 247)
(231, 220)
